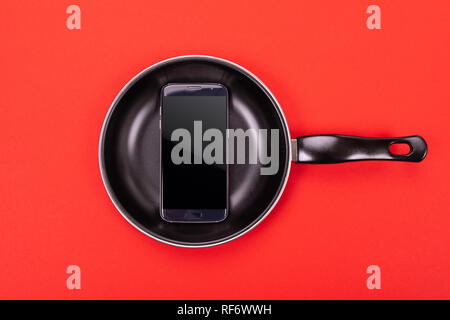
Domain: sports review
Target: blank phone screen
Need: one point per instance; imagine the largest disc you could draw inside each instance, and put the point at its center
(192, 185)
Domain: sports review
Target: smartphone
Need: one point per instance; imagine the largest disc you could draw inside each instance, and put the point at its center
(194, 172)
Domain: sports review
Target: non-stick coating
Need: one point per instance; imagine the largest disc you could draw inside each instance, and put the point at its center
(130, 151)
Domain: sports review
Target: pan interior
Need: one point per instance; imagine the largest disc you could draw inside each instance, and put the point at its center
(130, 151)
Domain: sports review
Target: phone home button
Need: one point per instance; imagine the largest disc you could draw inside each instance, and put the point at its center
(193, 215)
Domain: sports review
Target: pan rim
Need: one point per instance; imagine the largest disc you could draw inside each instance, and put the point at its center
(117, 204)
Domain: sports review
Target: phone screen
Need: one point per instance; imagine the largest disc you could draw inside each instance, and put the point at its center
(194, 184)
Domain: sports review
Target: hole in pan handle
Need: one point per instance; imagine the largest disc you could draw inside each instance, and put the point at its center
(322, 149)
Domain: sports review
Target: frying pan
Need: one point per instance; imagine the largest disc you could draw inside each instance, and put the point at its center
(129, 150)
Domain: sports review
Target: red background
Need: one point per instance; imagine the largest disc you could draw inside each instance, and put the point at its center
(330, 74)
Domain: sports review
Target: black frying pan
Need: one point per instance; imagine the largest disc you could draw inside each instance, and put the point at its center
(129, 150)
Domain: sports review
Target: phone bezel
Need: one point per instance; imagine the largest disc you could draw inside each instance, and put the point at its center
(192, 215)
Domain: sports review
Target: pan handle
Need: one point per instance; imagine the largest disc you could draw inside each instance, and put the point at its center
(340, 148)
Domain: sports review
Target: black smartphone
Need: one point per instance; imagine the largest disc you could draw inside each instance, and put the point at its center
(194, 172)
